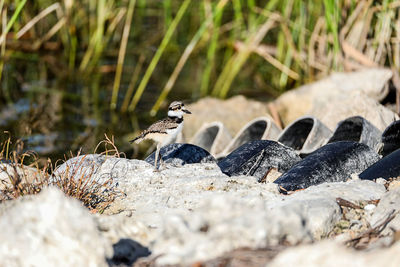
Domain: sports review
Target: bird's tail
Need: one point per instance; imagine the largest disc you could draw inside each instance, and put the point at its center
(137, 139)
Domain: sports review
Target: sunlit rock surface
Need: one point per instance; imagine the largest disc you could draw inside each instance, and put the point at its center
(195, 212)
(365, 87)
(330, 253)
(50, 229)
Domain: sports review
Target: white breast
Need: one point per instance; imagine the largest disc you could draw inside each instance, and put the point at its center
(172, 134)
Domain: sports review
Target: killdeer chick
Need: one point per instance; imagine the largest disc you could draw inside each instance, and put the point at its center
(164, 131)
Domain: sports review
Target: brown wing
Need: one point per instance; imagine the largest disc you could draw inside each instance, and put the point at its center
(158, 127)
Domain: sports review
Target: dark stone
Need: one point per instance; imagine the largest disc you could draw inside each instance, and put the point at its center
(256, 158)
(181, 154)
(357, 129)
(391, 138)
(333, 162)
(126, 252)
(387, 167)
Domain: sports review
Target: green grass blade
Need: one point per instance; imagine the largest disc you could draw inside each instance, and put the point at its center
(211, 54)
(230, 71)
(12, 20)
(189, 48)
(332, 21)
(121, 54)
(158, 54)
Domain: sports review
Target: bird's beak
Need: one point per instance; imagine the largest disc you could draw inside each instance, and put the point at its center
(186, 111)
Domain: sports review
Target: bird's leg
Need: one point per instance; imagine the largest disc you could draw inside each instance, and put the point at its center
(162, 163)
(156, 158)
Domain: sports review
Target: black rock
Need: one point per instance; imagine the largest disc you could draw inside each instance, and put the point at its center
(357, 129)
(387, 167)
(391, 138)
(256, 158)
(333, 162)
(126, 252)
(181, 154)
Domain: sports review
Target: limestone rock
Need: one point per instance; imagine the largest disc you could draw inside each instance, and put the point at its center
(330, 254)
(50, 229)
(356, 103)
(10, 171)
(84, 165)
(354, 191)
(194, 212)
(301, 101)
(388, 205)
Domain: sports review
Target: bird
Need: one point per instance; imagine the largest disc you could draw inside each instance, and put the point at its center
(166, 130)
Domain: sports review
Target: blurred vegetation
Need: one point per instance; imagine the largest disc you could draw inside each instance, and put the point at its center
(106, 61)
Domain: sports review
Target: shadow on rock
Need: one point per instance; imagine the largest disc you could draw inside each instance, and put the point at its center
(126, 252)
(181, 154)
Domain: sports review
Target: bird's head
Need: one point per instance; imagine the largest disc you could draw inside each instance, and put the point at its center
(177, 109)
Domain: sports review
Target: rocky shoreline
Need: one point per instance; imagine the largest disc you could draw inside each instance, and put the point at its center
(331, 198)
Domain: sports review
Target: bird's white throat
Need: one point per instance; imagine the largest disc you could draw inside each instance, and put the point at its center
(175, 113)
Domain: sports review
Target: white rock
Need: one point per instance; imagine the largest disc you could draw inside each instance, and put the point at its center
(353, 190)
(195, 212)
(369, 207)
(389, 204)
(332, 254)
(381, 181)
(50, 229)
(332, 98)
(11, 171)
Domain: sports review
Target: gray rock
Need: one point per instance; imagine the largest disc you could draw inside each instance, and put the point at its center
(331, 253)
(181, 154)
(327, 98)
(332, 163)
(10, 171)
(84, 165)
(354, 191)
(195, 212)
(319, 205)
(50, 229)
(388, 205)
(332, 110)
